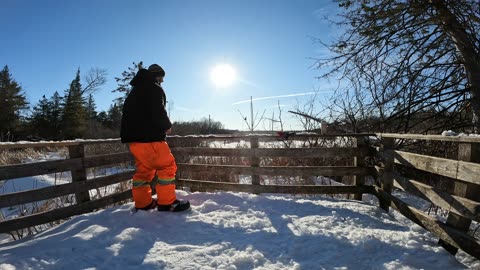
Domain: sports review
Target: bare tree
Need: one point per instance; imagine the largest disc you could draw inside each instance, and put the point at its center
(410, 65)
(273, 120)
(254, 120)
(95, 78)
(308, 113)
(253, 124)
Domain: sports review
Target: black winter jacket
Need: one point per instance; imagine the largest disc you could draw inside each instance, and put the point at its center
(144, 117)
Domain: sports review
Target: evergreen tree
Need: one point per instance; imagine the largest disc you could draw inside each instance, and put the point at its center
(102, 117)
(12, 102)
(56, 115)
(92, 124)
(40, 118)
(74, 117)
(123, 82)
(91, 108)
(115, 117)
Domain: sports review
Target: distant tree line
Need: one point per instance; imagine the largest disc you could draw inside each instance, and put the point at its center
(202, 127)
(73, 114)
(69, 116)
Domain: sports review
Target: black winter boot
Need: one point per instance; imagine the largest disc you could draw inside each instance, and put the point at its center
(152, 205)
(176, 206)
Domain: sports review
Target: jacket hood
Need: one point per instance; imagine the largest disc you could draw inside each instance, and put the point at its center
(143, 76)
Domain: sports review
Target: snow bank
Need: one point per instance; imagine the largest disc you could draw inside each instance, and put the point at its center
(233, 231)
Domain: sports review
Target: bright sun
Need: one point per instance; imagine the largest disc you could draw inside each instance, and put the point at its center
(223, 75)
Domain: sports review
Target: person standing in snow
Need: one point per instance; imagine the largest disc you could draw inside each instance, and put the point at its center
(145, 125)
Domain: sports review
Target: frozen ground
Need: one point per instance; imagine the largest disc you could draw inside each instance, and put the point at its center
(233, 231)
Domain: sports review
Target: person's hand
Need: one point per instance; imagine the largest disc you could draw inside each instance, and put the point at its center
(168, 131)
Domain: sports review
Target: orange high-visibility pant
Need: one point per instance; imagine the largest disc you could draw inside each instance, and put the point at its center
(154, 162)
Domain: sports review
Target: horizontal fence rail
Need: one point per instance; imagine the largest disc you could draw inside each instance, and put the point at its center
(461, 170)
(195, 185)
(45, 193)
(466, 139)
(272, 170)
(275, 152)
(62, 213)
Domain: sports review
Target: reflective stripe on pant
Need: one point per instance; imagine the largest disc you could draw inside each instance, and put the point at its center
(153, 161)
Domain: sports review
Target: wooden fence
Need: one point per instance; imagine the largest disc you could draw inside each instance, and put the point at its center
(462, 202)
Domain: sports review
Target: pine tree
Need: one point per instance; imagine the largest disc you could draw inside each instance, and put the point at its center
(47, 116)
(91, 108)
(56, 115)
(74, 117)
(12, 102)
(123, 82)
(40, 118)
(92, 123)
(114, 117)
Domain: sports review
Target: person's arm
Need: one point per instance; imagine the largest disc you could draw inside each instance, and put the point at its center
(159, 114)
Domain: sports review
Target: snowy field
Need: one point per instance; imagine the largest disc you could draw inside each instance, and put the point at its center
(233, 231)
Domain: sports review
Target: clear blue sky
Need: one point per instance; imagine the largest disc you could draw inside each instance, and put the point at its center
(268, 42)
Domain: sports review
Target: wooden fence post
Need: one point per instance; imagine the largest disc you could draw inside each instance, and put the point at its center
(386, 178)
(359, 180)
(254, 160)
(78, 151)
(469, 152)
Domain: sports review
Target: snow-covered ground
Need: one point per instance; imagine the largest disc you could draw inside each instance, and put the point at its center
(233, 231)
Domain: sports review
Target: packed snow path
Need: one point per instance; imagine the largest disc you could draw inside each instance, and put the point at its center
(233, 231)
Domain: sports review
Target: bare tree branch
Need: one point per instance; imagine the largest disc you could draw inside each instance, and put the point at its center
(95, 78)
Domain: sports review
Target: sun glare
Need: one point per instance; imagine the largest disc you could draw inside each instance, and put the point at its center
(223, 75)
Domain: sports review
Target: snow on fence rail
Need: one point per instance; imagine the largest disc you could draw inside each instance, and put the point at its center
(462, 202)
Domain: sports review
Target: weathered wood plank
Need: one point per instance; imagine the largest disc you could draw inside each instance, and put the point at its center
(46, 193)
(456, 204)
(20, 145)
(101, 160)
(47, 167)
(39, 168)
(272, 170)
(262, 136)
(79, 174)
(273, 152)
(195, 185)
(450, 235)
(386, 180)
(244, 170)
(254, 160)
(23, 145)
(62, 213)
(471, 139)
(218, 152)
(466, 152)
(359, 161)
(465, 171)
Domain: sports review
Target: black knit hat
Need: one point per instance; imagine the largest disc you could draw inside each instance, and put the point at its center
(157, 70)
